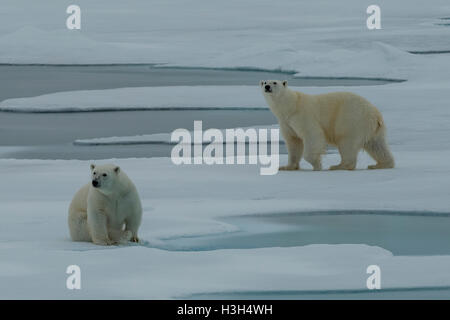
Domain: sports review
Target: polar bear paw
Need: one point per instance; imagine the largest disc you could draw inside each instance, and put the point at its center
(127, 235)
(105, 242)
(381, 166)
(343, 167)
(289, 167)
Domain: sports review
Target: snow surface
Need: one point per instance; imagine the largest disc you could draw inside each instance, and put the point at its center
(313, 38)
(156, 98)
(35, 247)
(163, 138)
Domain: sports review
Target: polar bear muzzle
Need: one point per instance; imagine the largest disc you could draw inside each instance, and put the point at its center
(272, 86)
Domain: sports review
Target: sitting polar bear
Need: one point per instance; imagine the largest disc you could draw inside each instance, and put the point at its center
(309, 122)
(100, 210)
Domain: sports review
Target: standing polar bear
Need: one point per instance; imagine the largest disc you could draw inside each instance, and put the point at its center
(309, 122)
(107, 210)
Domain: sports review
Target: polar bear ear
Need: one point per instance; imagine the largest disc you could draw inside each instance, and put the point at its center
(92, 166)
(261, 83)
(284, 83)
(117, 169)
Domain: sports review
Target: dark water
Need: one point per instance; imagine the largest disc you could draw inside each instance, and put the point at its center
(430, 52)
(51, 135)
(423, 293)
(31, 80)
(401, 233)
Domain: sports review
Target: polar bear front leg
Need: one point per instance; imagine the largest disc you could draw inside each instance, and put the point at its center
(315, 146)
(294, 146)
(98, 227)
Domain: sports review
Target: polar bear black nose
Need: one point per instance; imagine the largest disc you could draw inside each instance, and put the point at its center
(267, 87)
(94, 183)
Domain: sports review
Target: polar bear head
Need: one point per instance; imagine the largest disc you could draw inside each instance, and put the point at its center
(272, 87)
(104, 177)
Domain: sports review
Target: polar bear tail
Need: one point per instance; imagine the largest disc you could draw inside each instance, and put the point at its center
(78, 226)
(378, 148)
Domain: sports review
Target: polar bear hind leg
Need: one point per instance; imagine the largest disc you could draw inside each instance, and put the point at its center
(131, 225)
(78, 226)
(378, 149)
(348, 148)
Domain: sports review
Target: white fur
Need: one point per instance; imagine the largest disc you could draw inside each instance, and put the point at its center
(109, 213)
(309, 122)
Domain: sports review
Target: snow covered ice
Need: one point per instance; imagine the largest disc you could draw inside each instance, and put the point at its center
(311, 39)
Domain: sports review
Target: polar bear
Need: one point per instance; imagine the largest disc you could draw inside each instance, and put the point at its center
(309, 122)
(106, 211)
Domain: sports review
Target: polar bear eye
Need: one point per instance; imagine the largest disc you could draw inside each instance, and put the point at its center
(95, 173)
(104, 174)
(275, 83)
